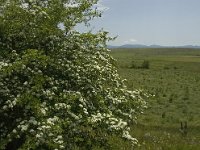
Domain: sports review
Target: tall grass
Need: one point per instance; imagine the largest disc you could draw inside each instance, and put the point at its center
(174, 78)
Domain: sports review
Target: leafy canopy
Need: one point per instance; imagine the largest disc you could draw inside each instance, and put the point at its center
(59, 88)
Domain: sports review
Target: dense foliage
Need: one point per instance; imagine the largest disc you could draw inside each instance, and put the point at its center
(59, 88)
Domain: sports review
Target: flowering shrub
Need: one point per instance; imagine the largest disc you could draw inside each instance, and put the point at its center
(59, 88)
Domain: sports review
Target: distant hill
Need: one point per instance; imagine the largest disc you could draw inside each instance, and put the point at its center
(133, 46)
(190, 46)
(156, 46)
(151, 46)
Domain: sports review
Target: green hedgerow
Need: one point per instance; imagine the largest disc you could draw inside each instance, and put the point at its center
(59, 88)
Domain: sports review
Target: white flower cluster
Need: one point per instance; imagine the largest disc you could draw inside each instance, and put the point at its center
(59, 140)
(46, 132)
(23, 126)
(44, 108)
(33, 121)
(61, 106)
(53, 120)
(10, 104)
(127, 136)
(97, 117)
(3, 64)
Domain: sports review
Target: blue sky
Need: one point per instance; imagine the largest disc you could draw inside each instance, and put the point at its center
(163, 22)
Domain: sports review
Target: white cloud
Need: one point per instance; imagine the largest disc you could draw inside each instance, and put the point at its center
(126, 42)
(132, 40)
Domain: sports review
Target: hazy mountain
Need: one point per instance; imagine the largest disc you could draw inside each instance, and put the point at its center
(151, 46)
(133, 46)
(156, 46)
(190, 46)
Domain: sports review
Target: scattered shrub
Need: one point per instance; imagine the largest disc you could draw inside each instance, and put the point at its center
(145, 65)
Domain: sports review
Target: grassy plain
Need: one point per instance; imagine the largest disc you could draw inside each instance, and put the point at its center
(174, 78)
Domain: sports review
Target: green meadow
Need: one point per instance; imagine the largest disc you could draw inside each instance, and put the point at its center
(172, 76)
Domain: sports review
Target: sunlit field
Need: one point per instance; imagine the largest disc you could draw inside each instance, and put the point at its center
(171, 120)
